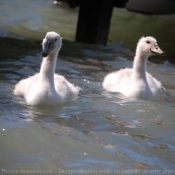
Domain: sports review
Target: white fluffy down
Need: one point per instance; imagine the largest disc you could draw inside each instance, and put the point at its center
(46, 87)
(121, 81)
(36, 94)
(137, 82)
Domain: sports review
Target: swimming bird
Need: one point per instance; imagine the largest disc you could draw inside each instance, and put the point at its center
(136, 82)
(46, 87)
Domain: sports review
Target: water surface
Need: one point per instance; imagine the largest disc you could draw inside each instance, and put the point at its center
(99, 130)
(31, 20)
(97, 133)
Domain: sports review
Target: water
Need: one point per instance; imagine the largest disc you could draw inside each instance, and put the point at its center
(24, 20)
(98, 133)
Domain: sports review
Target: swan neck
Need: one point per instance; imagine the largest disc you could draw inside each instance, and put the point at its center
(139, 67)
(48, 68)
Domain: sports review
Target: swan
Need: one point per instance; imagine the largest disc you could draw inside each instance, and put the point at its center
(136, 82)
(46, 87)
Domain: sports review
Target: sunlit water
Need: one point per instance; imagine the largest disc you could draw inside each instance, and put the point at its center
(97, 133)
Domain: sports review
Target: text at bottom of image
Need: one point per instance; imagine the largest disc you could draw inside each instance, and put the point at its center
(108, 171)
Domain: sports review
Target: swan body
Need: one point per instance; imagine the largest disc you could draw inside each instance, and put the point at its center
(46, 87)
(136, 82)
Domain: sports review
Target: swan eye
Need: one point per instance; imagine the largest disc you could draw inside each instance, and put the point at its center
(55, 40)
(148, 42)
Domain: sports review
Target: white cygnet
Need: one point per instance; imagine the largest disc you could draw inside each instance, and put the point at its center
(46, 87)
(136, 82)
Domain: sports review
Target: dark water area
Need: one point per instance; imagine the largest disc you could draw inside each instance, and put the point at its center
(23, 20)
(99, 132)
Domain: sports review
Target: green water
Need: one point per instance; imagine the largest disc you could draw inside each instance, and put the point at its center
(22, 19)
(128, 27)
(100, 132)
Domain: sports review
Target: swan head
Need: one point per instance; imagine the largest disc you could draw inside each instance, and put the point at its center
(51, 43)
(148, 46)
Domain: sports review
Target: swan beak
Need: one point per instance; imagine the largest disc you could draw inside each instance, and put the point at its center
(155, 50)
(47, 49)
(45, 53)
